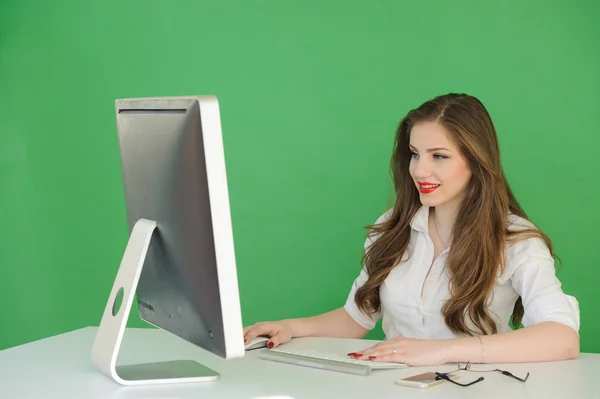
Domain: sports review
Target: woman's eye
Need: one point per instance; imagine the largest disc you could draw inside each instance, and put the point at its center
(440, 156)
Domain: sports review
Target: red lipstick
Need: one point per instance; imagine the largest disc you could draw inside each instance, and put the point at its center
(427, 188)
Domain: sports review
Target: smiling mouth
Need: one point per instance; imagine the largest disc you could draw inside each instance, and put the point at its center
(427, 188)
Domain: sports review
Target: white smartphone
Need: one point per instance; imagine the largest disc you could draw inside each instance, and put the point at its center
(424, 380)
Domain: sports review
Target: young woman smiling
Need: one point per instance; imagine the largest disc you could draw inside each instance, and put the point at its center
(454, 262)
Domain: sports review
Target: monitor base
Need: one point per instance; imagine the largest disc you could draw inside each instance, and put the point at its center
(109, 336)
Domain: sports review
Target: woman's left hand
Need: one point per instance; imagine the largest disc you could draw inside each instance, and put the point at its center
(414, 352)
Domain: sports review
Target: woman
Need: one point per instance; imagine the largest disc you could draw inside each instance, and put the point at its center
(454, 262)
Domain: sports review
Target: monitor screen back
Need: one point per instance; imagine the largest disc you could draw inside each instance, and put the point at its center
(165, 180)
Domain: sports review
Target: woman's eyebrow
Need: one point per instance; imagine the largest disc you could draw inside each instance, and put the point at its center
(432, 149)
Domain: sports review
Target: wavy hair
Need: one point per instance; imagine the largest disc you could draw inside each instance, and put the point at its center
(480, 233)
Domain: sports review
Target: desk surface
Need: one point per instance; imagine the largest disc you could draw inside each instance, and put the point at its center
(60, 367)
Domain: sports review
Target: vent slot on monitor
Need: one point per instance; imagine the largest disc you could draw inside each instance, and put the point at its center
(152, 111)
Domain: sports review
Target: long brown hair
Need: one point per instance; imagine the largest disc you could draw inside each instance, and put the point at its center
(480, 233)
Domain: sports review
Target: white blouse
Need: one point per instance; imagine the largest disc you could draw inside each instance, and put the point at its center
(529, 272)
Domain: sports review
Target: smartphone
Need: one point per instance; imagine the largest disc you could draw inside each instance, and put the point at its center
(424, 380)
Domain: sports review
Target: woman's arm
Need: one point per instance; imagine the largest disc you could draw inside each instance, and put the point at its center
(336, 323)
(551, 317)
(551, 326)
(541, 342)
(545, 341)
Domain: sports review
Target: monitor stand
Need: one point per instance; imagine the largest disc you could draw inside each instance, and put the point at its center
(114, 320)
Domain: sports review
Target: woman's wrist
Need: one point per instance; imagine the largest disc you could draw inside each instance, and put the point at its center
(468, 349)
(295, 327)
(482, 349)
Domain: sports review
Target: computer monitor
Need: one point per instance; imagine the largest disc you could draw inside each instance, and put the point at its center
(180, 258)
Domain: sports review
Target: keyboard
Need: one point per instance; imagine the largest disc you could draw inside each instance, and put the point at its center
(326, 361)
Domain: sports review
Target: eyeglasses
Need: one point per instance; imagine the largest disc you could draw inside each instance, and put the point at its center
(467, 367)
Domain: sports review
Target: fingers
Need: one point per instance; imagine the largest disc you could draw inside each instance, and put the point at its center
(277, 333)
(254, 331)
(250, 332)
(258, 329)
(384, 347)
(275, 341)
(373, 353)
(278, 337)
(383, 351)
(381, 344)
(381, 355)
(390, 357)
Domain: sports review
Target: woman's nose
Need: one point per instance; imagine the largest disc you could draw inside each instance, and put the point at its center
(422, 169)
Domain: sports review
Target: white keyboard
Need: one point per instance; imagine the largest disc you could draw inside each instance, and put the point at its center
(326, 361)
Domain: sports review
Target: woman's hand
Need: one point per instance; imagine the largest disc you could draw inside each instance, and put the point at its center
(414, 352)
(278, 331)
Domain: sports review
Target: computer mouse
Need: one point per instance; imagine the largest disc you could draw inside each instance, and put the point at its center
(256, 343)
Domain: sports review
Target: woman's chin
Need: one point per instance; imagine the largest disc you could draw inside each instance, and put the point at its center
(427, 200)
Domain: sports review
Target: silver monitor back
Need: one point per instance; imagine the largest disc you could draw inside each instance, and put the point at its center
(174, 173)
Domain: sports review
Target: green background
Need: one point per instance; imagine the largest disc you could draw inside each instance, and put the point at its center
(310, 93)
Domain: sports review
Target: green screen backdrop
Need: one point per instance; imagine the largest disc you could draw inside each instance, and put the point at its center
(310, 93)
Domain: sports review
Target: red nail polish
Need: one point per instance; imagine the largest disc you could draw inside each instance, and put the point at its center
(372, 357)
(352, 354)
(270, 345)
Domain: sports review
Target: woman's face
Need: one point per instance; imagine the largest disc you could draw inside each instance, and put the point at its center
(437, 167)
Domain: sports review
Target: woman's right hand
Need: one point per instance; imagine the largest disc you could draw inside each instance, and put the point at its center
(279, 332)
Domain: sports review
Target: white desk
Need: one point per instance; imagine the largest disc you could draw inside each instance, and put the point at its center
(59, 368)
